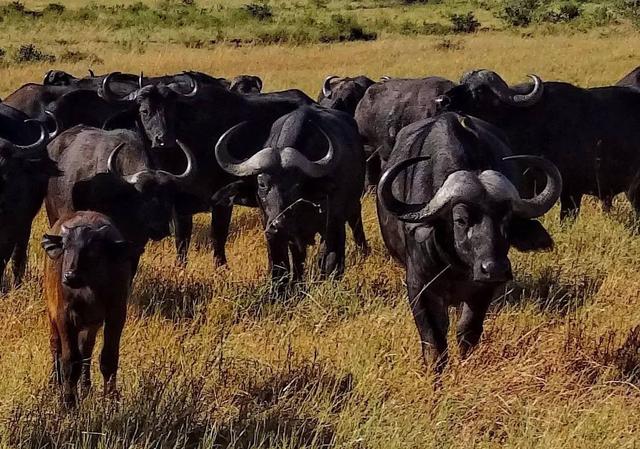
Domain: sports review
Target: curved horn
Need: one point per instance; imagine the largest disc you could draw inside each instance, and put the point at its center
(259, 83)
(56, 122)
(540, 204)
(112, 166)
(46, 77)
(326, 86)
(41, 140)
(91, 74)
(107, 93)
(141, 80)
(194, 85)
(502, 90)
(385, 78)
(385, 193)
(290, 157)
(532, 97)
(252, 166)
(191, 164)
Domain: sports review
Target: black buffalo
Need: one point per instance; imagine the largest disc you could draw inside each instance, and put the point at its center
(24, 174)
(449, 212)
(109, 172)
(202, 119)
(246, 84)
(310, 175)
(389, 106)
(344, 94)
(591, 135)
(632, 79)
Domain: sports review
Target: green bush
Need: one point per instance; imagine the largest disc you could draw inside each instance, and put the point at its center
(260, 11)
(601, 16)
(29, 53)
(464, 23)
(629, 9)
(565, 12)
(519, 13)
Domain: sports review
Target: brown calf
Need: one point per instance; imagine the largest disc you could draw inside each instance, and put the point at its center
(86, 284)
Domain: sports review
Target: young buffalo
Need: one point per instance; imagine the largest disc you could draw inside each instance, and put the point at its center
(86, 284)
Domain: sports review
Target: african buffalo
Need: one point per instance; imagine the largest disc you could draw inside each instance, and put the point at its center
(246, 84)
(632, 79)
(87, 279)
(202, 119)
(389, 106)
(310, 175)
(591, 135)
(24, 174)
(449, 211)
(109, 172)
(343, 94)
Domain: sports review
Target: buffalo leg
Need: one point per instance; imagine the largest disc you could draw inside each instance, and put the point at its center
(470, 324)
(570, 205)
(71, 363)
(20, 256)
(278, 262)
(56, 350)
(373, 170)
(355, 223)
(298, 257)
(333, 256)
(110, 356)
(220, 220)
(431, 318)
(86, 342)
(183, 227)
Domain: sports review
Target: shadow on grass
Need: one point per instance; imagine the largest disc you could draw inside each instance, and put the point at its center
(552, 292)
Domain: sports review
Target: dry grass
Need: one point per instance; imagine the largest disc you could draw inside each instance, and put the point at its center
(207, 363)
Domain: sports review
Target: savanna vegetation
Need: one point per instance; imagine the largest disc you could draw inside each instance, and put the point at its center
(207, 362)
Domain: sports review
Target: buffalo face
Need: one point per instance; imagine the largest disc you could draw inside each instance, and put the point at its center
(157, 111)
(478, 216)
(86, 251)
(484, 93)
(246, 84)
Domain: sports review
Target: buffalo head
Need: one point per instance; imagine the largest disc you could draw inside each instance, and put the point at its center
(87, 248)
(283, 176)
(343, 94)
(146, 196)
(246, 84)
(479, 215)
(155, 105)
(484, 93)
(58, 78)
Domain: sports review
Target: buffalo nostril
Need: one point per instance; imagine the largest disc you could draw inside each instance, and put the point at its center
(68, 277)
(487, 267)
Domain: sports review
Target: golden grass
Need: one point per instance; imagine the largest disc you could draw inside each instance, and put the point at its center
(206, 361)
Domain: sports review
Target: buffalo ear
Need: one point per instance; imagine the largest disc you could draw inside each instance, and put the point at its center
(99, 193)
(52, 244)
(529, 235)
(120, 250)
(226, 195)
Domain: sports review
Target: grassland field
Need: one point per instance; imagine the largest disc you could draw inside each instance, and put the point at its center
(206, 362)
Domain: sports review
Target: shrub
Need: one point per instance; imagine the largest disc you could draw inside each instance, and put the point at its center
(54, 8)
(29, 53)
(601, 16)
(260, 11)
(519, 13)
(464, 23)
(630, 9)
(566, 12)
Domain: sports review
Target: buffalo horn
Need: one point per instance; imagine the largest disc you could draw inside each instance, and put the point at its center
(541, 203)
(326, 86)
(249, 167)
(41, 140)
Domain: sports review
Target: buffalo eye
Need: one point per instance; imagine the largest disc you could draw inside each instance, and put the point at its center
(144, 111)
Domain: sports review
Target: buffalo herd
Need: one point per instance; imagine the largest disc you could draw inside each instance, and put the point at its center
(462, 171)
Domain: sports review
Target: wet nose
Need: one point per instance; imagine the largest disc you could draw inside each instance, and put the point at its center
(70, 278)
(160, 143)
(495, 270)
